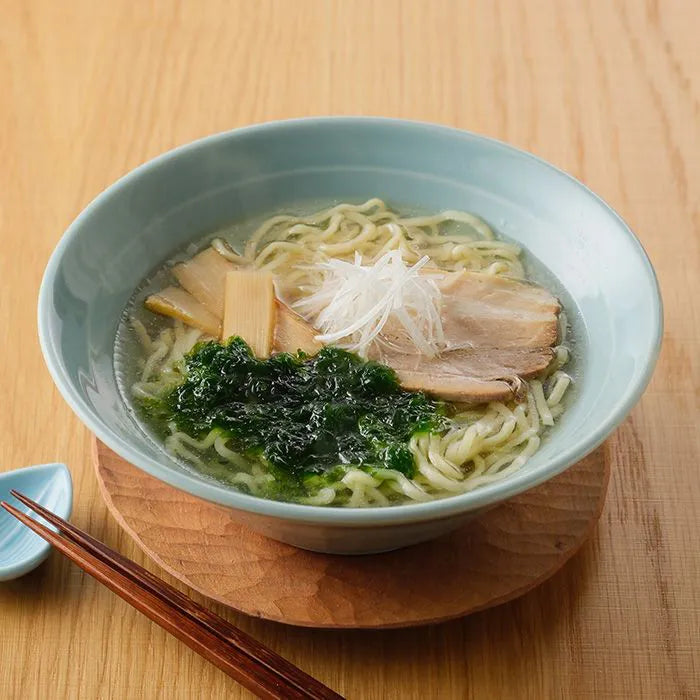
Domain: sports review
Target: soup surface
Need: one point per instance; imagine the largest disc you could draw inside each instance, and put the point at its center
(352, 356)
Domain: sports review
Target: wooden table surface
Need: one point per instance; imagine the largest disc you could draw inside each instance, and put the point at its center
(609, 91)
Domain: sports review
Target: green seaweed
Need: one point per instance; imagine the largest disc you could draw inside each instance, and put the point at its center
(301, 415)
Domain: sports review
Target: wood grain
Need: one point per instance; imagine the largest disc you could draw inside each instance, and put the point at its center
(609, 91)
(502, 555)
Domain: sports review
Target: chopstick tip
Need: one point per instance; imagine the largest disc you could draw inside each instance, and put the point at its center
(24, 499)
(9, 508)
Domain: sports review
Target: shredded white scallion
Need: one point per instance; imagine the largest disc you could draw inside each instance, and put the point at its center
(355, 302)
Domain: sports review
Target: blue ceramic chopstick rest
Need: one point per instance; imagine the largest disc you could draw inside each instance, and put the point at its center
(50, 485)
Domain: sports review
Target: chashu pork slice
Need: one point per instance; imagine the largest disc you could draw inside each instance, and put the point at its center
(497, 330)
(480, 310)
(469, 376)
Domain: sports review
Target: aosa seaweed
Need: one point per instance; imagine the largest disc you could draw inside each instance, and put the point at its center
(302, 415)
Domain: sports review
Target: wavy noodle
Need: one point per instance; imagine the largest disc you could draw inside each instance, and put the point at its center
(291, 246)
(481, 444)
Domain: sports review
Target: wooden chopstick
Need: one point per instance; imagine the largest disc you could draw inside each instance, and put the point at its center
(243, 658)
(218, 625)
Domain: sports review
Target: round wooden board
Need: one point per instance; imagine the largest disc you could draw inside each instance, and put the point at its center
(495, 558)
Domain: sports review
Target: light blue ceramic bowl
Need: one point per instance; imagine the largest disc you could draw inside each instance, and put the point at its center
(138, 222)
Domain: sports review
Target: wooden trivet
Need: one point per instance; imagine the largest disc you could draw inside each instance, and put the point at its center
(501, 555)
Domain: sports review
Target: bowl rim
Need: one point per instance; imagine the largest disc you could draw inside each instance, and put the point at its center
(487, 495)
